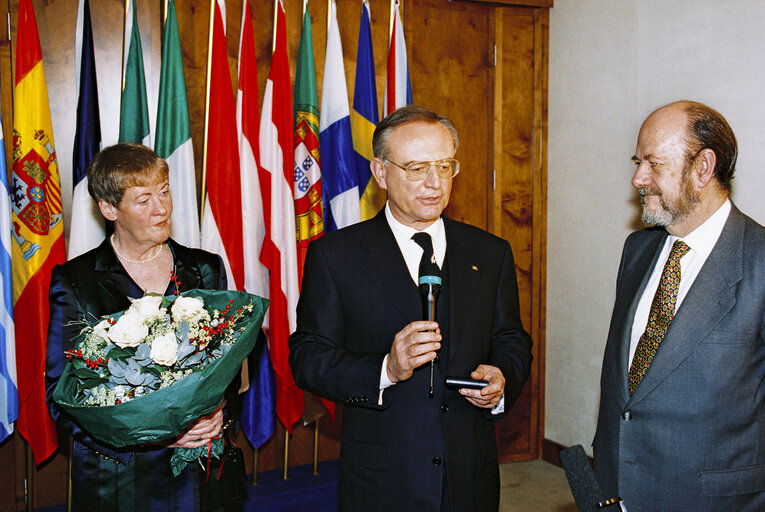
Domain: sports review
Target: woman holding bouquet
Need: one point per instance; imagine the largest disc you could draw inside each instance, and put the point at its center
(129, 182)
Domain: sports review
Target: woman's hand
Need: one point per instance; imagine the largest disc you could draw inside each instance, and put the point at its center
(200, 432)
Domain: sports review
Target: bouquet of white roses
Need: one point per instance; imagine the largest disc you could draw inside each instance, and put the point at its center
(145, 374)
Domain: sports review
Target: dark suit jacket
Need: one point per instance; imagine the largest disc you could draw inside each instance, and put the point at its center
(357, 294)
(692, 437)
(106, 478)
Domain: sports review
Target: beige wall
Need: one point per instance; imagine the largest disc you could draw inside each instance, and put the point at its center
(611, 63)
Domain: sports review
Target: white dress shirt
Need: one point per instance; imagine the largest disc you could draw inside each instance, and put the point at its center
(701, 241)
(410, 250)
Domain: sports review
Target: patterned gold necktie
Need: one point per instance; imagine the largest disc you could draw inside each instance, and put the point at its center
(661, 314)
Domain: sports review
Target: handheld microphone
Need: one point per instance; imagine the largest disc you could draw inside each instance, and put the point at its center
(430, 287)
(584, 486)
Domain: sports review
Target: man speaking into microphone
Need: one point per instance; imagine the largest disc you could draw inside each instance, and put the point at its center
(361, 338)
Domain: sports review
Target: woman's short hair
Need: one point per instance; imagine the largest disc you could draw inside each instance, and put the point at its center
(124, 165)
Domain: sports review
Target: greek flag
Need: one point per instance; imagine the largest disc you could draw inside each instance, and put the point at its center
(9, 397)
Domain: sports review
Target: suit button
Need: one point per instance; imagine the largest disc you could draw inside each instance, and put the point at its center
(444, 407)
(436, 461)
(627, 416)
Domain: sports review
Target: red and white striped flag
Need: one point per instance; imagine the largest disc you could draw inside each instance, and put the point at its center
(255, 273)
(279, 252)
(257, 417)
(398, 88)
(222, 215)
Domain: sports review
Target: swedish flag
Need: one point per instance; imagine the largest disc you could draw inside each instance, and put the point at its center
(365, 116)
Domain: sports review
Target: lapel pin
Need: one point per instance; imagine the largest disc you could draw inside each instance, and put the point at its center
(474, 268)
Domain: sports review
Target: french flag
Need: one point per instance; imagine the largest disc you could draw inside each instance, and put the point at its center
(87, 228)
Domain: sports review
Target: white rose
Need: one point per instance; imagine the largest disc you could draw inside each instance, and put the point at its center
(164, 349)
(147, 307)
(187, 308)
(129, 330)
(101, 329)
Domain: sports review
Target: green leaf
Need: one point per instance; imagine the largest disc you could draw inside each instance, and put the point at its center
(152, 370)
(90, 383)
(121, 353)
(182, 456)
(86, 373)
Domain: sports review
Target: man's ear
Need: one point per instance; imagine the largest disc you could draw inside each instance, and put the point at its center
(108, 210)
(705, 166)
(378, 170)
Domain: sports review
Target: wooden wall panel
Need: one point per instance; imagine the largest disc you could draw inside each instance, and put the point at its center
(450, 61)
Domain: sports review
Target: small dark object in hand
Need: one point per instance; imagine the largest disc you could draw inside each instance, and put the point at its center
(457, 383)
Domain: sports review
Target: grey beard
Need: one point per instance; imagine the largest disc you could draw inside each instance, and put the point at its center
(657, 217)
(668, 214)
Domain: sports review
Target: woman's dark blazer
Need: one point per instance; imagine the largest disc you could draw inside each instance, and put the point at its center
(104, 477)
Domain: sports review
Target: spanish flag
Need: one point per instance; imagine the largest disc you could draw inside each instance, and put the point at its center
(38, 232)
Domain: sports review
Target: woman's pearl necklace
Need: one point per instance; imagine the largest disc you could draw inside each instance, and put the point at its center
(120, 256)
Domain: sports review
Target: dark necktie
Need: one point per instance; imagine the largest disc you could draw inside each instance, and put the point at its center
(661, 314)
(424, 241)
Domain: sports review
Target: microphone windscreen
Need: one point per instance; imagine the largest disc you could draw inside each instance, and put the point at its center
(581, 479)
(429, 269)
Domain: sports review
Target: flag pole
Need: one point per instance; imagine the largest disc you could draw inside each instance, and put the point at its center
(164, 13)
(255, 466)
(8, 21)
(316, 446)
(124, 52)
(273, 39)
(207, 108)
(30, 483)
(329, 15)
(13, 89)
(286, 453)
(393, 4)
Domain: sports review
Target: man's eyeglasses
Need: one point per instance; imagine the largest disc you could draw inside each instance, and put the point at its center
(418, 171)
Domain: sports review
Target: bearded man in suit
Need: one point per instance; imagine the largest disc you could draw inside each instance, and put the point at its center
(682, 408)
(361, 340)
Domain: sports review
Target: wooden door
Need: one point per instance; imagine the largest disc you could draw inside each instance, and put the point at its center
(495, 95)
